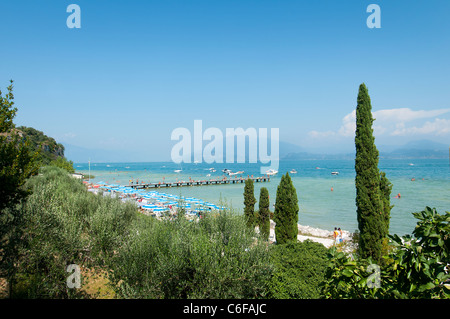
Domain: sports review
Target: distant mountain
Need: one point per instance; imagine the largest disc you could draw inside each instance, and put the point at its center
(426, 145)
(82, 155)
(287, 152)
(79, 154)
(419, 149)
(415, 153)
(415, 149)
(288, 148)
(316, 156)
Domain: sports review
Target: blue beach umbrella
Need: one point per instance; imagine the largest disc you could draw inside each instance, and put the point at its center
(149, 206)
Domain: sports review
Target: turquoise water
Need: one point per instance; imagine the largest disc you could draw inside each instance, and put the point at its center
(319, 206)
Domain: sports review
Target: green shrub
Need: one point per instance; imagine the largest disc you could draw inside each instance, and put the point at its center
(216, 257)
(415, 267)
(63, 163)
(299, 269)
(65, 224)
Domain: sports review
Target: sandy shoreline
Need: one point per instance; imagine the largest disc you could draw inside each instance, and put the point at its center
(322, 236)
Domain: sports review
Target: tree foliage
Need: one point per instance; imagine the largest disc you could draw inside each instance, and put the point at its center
(64, 224)
(63, 163)
(418, 266)
(249, 202)
(264, 213)
(286, 211)
(370, 200)
(385, 189)
(49, 151)
(299, 270)
(17, 164)
(216, 257)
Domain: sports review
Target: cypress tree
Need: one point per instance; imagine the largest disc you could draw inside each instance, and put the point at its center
(249, 203)
(369, 198)
(264, 213)
(286, 211)
(386, 188)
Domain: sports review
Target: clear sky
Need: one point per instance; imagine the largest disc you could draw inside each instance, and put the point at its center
(136, 70)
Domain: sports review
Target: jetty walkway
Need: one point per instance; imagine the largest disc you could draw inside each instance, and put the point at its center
(223, 181)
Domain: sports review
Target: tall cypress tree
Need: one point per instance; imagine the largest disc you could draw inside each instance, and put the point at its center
(369, 198)
(249, 203)
(286, 211)
(264, 213)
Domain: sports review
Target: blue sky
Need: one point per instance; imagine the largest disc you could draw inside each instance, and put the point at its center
(136, 70)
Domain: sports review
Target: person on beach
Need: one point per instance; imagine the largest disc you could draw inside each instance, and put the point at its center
(340, 234)
(335, 235)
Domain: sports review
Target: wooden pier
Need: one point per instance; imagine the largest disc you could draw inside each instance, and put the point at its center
(200, 182)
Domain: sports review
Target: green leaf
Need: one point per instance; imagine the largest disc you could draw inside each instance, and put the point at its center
(426, 286)
(347, 273)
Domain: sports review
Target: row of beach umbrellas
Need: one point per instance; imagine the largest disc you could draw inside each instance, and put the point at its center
(164, 200)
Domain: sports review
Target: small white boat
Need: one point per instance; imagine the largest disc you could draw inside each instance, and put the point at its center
(226, 170)
(231, 173)
(293, 171)
(271, 172)
(177, 170)
(334, 173)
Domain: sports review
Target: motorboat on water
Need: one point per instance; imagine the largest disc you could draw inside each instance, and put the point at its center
(334, 173)
(271, 172)
(231, 173)
(226, 170)
(177, 170)
(293, 171)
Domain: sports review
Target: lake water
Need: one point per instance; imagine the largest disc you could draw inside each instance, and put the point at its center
(319, 206)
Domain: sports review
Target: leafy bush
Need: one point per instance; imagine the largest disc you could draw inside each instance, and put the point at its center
(348, 278)
(65, 224)
(299, 269)
(421, 263)
(63, 163)
(416, 267)
(216, 257)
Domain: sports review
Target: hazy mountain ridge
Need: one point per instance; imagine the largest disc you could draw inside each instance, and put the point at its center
(287, 152)
(421, 149)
